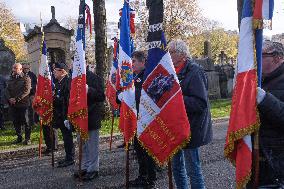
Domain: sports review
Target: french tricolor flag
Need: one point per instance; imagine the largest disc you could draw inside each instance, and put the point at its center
(244, 118)
(163, 126)
(78, 108)
(42, 103)
(111, 82)
(128, 112)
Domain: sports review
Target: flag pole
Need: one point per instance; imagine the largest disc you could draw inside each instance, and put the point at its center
(111, 132)
(40, 120)
(52, 145)
(258, 45)
(80, 158)
(40, 138)
(170, 175)
(127, 168)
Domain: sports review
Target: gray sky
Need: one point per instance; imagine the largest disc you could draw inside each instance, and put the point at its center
(223, 11)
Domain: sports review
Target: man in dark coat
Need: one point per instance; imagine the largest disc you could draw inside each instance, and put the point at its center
(17, 93)
(90, 148)
(271, 111)
(28, 72)
(60, 110)
(147, 166)
(2, 101)
(194, 85)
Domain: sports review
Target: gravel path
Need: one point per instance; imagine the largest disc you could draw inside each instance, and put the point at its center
(34, 173)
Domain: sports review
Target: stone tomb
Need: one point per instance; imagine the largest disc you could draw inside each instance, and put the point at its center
(57, 39)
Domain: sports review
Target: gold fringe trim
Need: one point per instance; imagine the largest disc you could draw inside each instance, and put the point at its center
(257, 24)
(41, 102)
(242, 184)
(130, 141)
(175, 150)
(83, 114)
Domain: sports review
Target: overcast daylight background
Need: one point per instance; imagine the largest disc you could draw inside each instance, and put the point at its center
(223, 11)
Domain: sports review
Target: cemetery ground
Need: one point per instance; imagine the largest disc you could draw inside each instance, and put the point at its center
(30, 172)
(219, 109)
(26, 170)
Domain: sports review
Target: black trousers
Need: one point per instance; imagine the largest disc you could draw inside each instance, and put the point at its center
(147, 166)
(1, 116)
(19, 121)
(47, 135)
(67, 139)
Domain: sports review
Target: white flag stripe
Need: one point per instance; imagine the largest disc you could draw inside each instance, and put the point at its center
(148, 110)
(246, 48)
(247, 140)
(43, 68)
(79, 64)
(265, 9)
(167, 63)
(123, 57)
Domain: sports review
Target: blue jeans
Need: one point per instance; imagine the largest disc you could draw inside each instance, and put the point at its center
(186, 163)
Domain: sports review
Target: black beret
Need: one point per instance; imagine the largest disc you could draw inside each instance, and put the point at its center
(61, 65)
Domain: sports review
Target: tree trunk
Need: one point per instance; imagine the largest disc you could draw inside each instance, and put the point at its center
(100, 44)
(240, 8)
(100, 38)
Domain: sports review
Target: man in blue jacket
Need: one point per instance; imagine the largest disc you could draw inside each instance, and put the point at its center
(194, 86)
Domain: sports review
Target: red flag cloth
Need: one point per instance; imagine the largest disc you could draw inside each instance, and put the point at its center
(89, 18)
(111, 82)
(78, 108)
(42, 103)
(244, 118)
(163, 127)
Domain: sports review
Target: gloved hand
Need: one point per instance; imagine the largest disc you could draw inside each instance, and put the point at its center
(87, 88)
(67, 124)
(260, 95)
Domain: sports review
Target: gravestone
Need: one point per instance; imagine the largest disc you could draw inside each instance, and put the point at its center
(7, 59)
(213, 76)
(226, 77)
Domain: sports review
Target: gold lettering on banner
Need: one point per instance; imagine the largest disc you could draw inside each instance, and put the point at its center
(166, 130)
(148, 108)
(127, 114)
(156, 138)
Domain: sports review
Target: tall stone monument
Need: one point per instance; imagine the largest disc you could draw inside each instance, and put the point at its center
(213, 77)
(57, 39)
(7, 59)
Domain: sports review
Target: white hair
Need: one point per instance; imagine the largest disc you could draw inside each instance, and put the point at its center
(180, 47)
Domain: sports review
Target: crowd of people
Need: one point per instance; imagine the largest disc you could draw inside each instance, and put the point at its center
(20, 88)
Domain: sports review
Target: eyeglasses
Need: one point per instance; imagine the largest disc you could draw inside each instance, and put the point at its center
(268, 54)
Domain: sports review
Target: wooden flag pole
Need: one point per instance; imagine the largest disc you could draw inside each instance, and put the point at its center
(80, 159)
(127, 168)
(111, 132)
(40, 138)
(170, 175)
(255, 160)
(52, 145)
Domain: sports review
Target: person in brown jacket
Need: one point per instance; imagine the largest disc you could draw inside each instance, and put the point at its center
(17, 94)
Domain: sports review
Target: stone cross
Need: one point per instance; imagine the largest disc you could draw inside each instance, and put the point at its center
(53, 12)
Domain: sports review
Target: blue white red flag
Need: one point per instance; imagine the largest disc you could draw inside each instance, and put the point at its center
(128, 112)
(244, 118)
(162, 130)
(111, 82)
(42, 103)
(78, 108)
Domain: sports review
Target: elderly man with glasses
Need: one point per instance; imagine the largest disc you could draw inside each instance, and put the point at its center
(270, 101)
